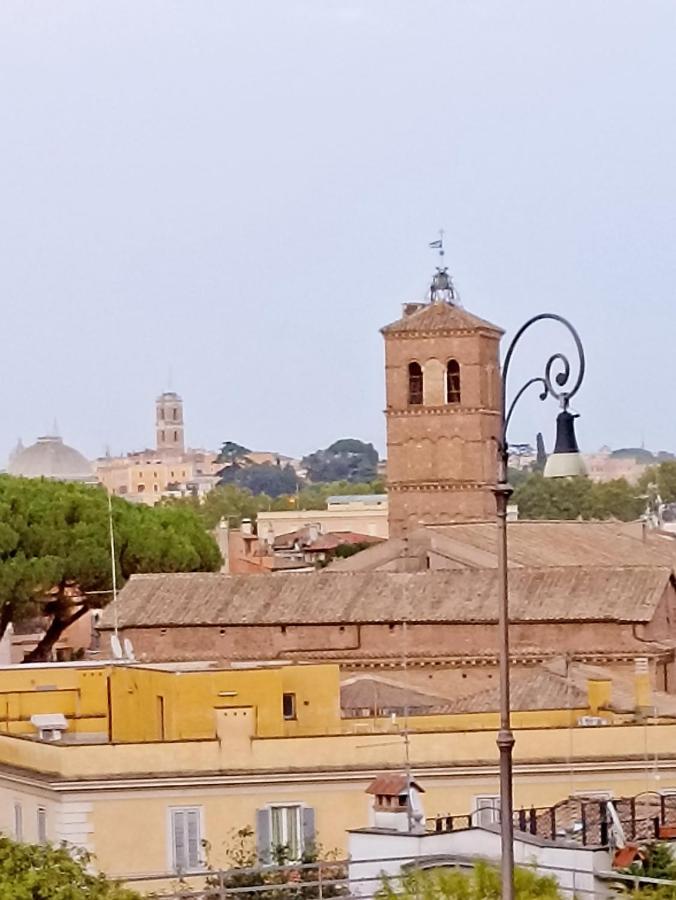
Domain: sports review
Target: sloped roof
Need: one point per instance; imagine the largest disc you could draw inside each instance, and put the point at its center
(535, 689)
(392, 784)
(368, 692)
(530, 543)
(467, 595)
(439, 316)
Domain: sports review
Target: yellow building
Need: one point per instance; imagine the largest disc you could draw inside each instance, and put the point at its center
(140, 765)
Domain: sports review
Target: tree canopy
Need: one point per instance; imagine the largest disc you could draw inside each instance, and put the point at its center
(41, 872)
(481, 883)
(55, 550)
(344, 460)
(577, 498)
(261, 478)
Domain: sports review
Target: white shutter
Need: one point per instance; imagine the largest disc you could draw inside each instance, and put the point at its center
(178, 839)
(193, 834)
(263, 839)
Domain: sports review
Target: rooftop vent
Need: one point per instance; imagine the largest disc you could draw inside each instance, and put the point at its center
(49, 726)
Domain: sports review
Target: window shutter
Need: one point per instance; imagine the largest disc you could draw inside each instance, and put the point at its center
(193, 834)
(178, 831)
(308, 814)
(263, 835)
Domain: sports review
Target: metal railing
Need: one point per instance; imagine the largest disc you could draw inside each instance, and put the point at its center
(609, 883)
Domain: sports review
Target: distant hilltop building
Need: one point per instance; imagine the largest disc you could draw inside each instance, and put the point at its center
(169, 470)
(169, 423)
(50, 458)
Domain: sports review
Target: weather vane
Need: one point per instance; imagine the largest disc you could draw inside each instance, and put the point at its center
(439, 245)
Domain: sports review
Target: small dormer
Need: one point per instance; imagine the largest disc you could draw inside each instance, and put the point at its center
(397, 803)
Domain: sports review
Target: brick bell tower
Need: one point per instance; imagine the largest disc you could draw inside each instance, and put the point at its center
(442, 374)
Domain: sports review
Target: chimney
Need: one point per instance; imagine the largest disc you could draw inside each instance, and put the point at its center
(246, 527)
(397, 803)
(643, 701)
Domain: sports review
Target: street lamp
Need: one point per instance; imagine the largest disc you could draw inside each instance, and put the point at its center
(565, 461)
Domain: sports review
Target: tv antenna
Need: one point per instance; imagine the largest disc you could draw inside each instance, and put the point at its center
(113, 569)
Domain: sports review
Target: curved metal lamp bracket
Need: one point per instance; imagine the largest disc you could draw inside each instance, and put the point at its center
(552, 382)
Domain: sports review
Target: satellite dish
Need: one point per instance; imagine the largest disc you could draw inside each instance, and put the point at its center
(129, 649)
(116, 647)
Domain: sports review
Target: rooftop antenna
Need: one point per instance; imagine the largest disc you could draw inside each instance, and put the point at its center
(113, 569)
(405, 732)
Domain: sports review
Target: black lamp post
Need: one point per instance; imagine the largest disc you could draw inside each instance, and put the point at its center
(565, 461)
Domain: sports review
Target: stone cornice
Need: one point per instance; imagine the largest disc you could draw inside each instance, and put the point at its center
(445, 410)
(438, 486)
(348, 774)
(441, 332)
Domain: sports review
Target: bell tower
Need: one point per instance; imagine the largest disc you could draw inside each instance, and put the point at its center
(169, 423)
(442, 374)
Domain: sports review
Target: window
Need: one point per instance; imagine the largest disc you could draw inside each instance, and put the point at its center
(284, 832)
(42, 825)
(415, 384)
(289, 706)
(175, 414)
(486, 810)
(453, 381)
(18, 822)
(186, 841)
(176, 435)
(160, 414)
(162, 435)
(141, 488)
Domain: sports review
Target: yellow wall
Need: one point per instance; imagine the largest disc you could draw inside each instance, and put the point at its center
(79, 693)
(189, 700)
(228, 750)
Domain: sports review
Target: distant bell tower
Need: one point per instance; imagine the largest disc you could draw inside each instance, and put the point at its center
(442, 375)
(169, 423)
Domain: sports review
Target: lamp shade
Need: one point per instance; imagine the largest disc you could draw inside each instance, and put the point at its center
(566, 460)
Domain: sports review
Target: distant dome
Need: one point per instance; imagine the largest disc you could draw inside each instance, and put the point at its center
(49, 457)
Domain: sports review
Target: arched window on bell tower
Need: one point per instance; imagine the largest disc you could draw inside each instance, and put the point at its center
(415, 384)
(453, 381)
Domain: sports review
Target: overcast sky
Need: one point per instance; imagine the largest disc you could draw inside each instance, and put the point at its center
(241, 193)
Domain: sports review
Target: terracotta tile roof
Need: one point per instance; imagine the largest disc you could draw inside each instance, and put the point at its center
(439, 317)
(622, 694)
(530, 543)
(468, 595)
(391, 784)
(538, 689)
(334, 539)
(368, 695)
(568, 543)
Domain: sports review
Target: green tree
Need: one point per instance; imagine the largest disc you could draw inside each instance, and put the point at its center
(262, 478)
(541, 457)
(230, 451)
(658, 862)
(55, 550)
(284, 880)
(664, 477)
(41, 872)
(344, 460)
(481, 883)
(577, 498)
